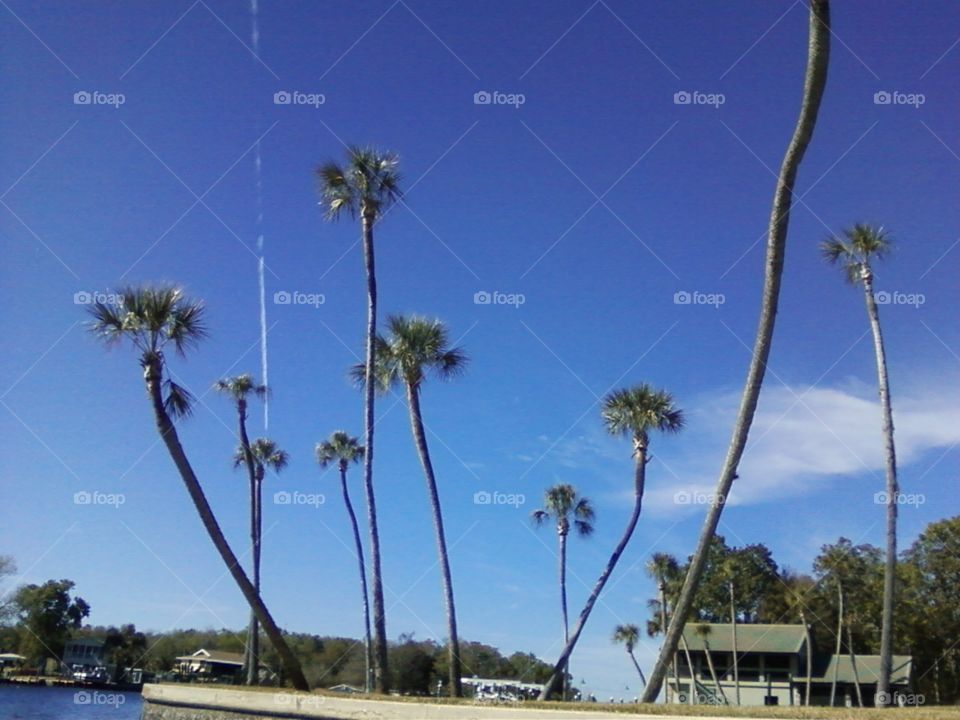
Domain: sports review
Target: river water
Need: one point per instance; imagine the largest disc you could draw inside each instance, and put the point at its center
(20, 702)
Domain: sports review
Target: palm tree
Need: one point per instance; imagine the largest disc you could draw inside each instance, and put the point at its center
(664, 568)
(415, 347)
(239, 388)
(155, 319)
(855, 251)
(560, 504)
(260, 454)
(703, 630)
(628, 635)
(634, 412)
(733, 631)
(366, 186)
(815, 80)
(836, 656)
(343, 450)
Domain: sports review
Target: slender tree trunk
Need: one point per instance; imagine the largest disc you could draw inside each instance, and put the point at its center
(638, 484)
(713, 674)
(363, 576)
(420, 439)
(736, 659)
(836, 656)
(253, 630)
(381, 669)
(809, 644)
(562, 541)
(893, 490)
(693, 699)
(814, 84)
(853, 664)
(153, 377)
(257, 551)
(637, 666)
(662, 587)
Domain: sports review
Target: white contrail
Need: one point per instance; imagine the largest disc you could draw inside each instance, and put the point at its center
(255, 43)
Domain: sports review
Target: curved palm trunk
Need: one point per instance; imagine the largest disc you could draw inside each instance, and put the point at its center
(663, 629)
(363, 576)
(713, 674)
(562, 540)
(836, 659)
(420, 438)
(640, 475)
(693, 699)
(381, 671)
(736, 659)
(814, 83)
(809, 644)
(253, 631)
(890, 569)
(853, 664)
(152, 376)
(637, 666)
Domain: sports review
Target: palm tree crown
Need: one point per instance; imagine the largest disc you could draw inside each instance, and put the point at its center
(560, 502)
(854, 251)
(415, 346)
(637, 410)
(340, 448)
(628, 635)
(240, 387)
(266, 454)
(367, 185)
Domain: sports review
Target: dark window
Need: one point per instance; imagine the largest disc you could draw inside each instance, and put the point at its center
(771, 700)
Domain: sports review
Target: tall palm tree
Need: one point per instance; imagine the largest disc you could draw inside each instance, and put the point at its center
(855, 251)
(239, 388)
(664, 568)
(154, 320)
(367, 186)
(414, 348)
(733, 632)
(343, 449)
(815, 80)
(262, 453)
(836, 656)
(635, 412)
(561, 504)
(628, 635)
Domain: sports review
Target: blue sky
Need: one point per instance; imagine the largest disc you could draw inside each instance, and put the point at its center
(600, 200)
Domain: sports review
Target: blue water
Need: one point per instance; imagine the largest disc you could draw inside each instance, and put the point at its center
(19, 702)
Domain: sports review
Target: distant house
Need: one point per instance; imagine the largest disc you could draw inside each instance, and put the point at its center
(211, 665)
(84, 658)
(772, 668)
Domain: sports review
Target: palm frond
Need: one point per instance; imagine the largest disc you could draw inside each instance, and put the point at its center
(179, 401)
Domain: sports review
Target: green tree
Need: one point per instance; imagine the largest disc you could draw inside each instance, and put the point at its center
(342, 449)
(855, 251)
(7, 568)
(239, 389)
(561, 505)
(628, 636)
(155, 320)
(815, 80)
(367, 186)
(125, 647)
(634, 412)
(414, 348)
(47, 614)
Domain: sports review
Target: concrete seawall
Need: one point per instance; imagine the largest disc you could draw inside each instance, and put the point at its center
(194, 702)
